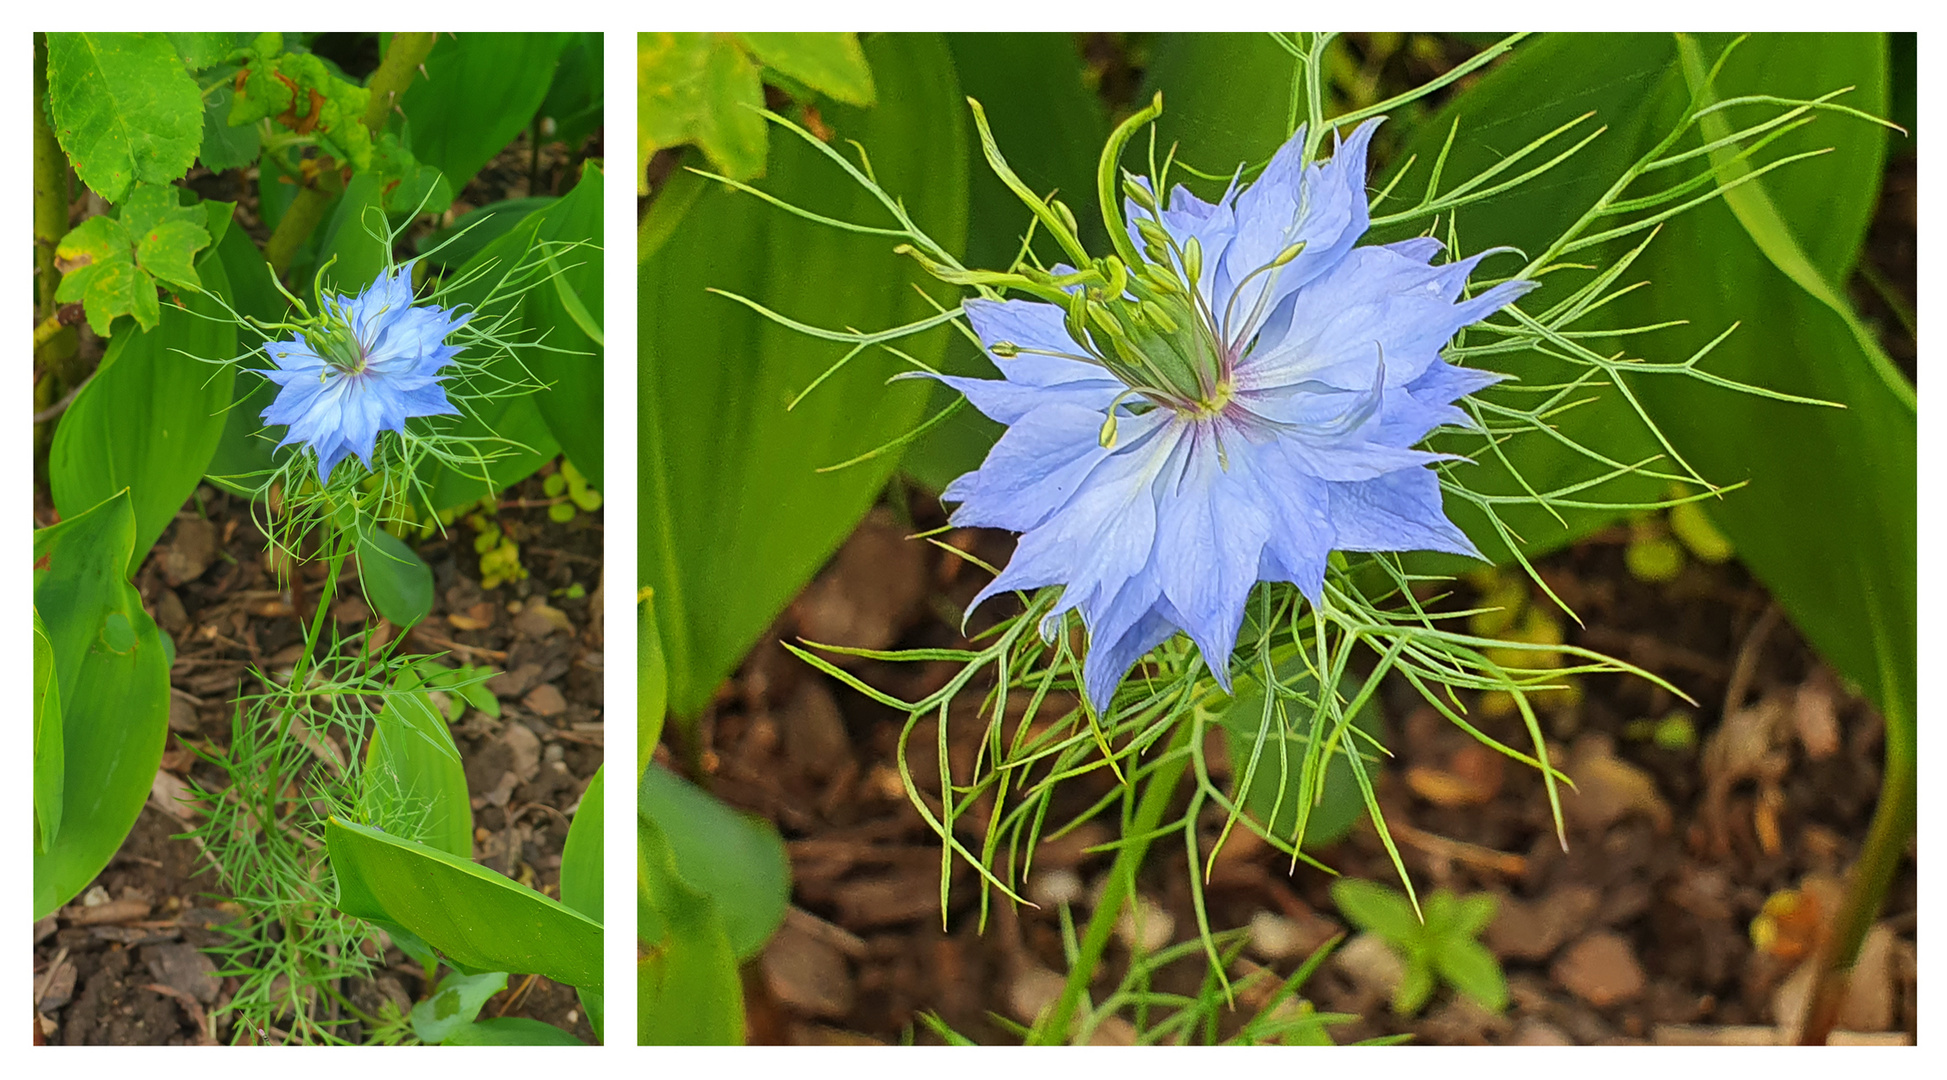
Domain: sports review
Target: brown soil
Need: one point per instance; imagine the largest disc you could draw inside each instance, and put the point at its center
(1639, 932)
(525, 771)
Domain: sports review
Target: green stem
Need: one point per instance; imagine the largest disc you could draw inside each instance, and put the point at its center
(394, 75)
(389, 82)
(1161, 787)
(1872, 875)
(305, 213)
(50, 189)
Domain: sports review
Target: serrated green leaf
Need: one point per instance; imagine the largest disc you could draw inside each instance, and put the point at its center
(124, 108)
(699, 88)
(151, 417)
(405, 185)
(831, 63)
(97, 261)
(112, 264)
(300, 92)
(226, 147)
(200, 50)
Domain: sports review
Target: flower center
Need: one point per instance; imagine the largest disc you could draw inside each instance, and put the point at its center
(336, 344)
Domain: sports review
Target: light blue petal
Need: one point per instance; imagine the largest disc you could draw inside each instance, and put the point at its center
(1007, 402)
(1099, 538)
(1030, 324)
(1400, 511)
(1322, 206)
(1211, 531)
(293, 356)
(1374, 301)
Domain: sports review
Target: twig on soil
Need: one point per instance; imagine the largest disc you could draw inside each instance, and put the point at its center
(1473, 854)
(197, 1018)
(1746, 667)
(454, 646)
(46, 981)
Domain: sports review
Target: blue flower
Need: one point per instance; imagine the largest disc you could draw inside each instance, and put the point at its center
(1170, 446)
(370, 363)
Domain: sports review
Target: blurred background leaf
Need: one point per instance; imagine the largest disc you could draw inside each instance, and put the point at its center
(736, 517)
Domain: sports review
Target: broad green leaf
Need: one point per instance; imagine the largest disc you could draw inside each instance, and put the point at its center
(510, 1031)
(112, 265)
(574, 100)
(687, 989)
(735, 859)
(454, 1005)
(151, 417)
(406, 186)
(397, 581)
(414, 780)
(830, 63)
(736, 515)
(114, 695)
(698, 88)
(49, 766)
(652, 682)
(516, 418)
(1225, 100)
(581, 854)
(1051, 126)
(581, 875)
(353, 237)
(1829, 522)
(1277, 780)
(480, 91)
(456, 243)
(124, 108)
(560, 315)
(245, 447)
(469, 913)
(226, 147)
